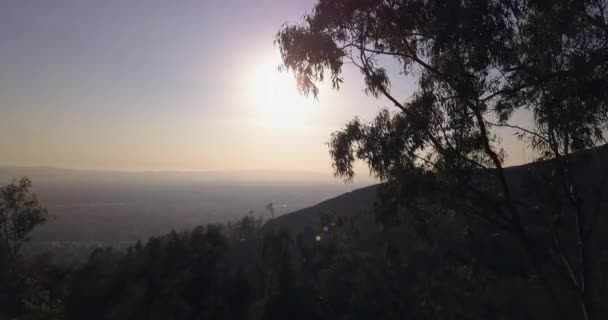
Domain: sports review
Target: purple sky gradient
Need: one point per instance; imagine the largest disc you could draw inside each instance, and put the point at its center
(155, 85)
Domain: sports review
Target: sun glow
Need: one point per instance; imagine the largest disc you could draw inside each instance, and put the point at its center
(274, 97)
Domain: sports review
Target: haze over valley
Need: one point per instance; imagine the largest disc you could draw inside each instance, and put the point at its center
(112, 206)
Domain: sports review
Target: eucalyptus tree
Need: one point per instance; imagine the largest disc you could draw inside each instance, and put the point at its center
(476, 64)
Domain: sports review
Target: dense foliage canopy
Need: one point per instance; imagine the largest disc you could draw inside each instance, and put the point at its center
(477, 63)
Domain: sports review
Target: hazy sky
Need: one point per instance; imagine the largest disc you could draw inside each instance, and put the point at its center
(162, 85)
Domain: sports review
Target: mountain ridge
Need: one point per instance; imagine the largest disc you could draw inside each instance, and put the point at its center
(362, 200)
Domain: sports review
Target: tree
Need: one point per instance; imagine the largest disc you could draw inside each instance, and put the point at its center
(20, 213)
(477, 63)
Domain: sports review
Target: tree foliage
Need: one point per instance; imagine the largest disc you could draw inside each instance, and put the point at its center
(477, 63)
(20, 213)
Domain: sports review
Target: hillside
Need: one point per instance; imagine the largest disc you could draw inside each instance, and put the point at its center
(352, 203)
(590, 167)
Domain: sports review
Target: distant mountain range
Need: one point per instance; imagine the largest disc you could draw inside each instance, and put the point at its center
(49, 174)
(114, 207)
(117, 207)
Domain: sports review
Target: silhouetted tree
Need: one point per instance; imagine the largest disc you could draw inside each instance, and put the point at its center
(20, 213)
(477, 63)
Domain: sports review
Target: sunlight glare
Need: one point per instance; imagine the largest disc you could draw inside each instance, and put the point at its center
(275, 99)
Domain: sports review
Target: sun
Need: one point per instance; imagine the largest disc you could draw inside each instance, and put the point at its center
(274, 97)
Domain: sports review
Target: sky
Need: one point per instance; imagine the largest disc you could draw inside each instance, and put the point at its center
(163, 85)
